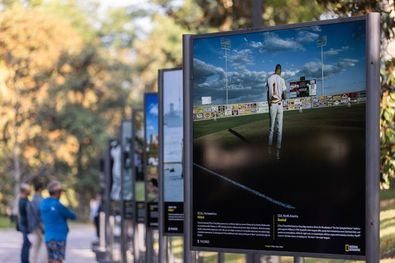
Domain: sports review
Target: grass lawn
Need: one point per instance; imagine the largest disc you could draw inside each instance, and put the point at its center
(292, 120)
(5, 222)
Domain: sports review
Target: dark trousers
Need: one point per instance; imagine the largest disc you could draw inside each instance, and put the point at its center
(97, 225)
(25, 248)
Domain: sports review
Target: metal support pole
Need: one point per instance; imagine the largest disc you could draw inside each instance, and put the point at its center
(256, 12)
(221, 257)
(298, 260)
(162, 248)
(123, 221)
(149, 256)
(322, 70)
(102, 229)
(106, 200)
(187, 167)
(253, 258)
(373, 139)
(249, 258)
(136, 248)
(111, 236)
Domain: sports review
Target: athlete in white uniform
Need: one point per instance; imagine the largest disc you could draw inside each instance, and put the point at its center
(276, 94)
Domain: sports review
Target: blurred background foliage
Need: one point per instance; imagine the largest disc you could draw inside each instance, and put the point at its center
(70, 70)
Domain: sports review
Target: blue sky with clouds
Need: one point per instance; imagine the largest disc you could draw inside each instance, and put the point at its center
(151, 114)
(172, 90)
(253, 56)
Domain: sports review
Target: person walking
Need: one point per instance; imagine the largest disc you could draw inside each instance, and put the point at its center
(94, 215)
(23, 224)
(276, 94)
(37, 254)
(54, 216)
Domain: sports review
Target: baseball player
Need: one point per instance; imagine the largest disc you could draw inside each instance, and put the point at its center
(276, 94)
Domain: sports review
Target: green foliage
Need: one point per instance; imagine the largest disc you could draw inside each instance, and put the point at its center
(62, 95)
(5, 222)
(207, 15)
(386, 9)
(387, 125)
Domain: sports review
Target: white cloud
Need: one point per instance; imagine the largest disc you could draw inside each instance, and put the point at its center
(154, 109)
(316, 28)
(313, 68)
(272, 42)
(306, 36)
(287, 74)
(213, 83)
(335, 51)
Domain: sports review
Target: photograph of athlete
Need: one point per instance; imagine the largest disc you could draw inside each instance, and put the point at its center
(275, 95)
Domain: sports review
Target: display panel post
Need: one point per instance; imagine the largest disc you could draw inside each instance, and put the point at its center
(123, 240)
(187, 167)
(298, 260)
(373, 139)
(162, 239)
(107, 199)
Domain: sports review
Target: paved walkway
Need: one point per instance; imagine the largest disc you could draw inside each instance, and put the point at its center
(78, 245)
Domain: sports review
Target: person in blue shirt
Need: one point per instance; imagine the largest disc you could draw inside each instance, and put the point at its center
(54, 216)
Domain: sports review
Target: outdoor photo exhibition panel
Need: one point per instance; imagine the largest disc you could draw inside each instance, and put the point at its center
(151, 158)
(115, 149)
(127, 190)
(171, 149)
(127, 176)
(138, 164)
(281, 132)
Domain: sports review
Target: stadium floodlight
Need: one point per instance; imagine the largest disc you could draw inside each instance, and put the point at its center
(321, 42)
(225, 45)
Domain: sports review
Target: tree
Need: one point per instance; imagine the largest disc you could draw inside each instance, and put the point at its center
(30, 47)
(203, 15)
(62, 95)
(386, 9)
(87, 101)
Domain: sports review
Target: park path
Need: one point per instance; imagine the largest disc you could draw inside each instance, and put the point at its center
(78, 245)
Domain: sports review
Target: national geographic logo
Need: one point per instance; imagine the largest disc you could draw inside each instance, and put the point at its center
(351, 248)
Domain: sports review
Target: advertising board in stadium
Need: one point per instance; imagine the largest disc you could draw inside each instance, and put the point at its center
(151, 147)
(277, 159)
(171, 161)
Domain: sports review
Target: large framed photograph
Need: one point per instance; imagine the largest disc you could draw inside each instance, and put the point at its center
(138, 165)
(171, 179)
(277, 137)
(151, 147)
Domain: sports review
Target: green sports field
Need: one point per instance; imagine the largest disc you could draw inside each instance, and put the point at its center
(320, 148)
(253, 125)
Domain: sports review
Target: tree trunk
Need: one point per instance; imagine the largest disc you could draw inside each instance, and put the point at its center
(16, 160)
(17, 177)
(81, 195)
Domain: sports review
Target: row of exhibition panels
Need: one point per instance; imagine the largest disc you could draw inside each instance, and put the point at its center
(132, 171)
(142, 182)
